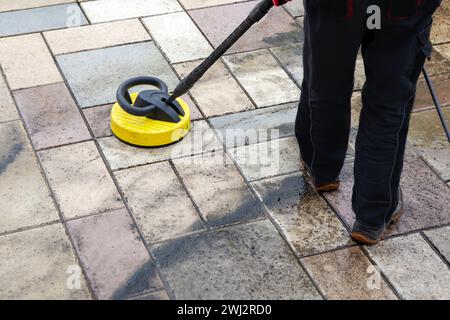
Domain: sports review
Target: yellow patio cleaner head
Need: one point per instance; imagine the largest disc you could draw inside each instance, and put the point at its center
(152, 117)
(147, 119)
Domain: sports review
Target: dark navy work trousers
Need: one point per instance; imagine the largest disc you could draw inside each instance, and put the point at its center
(335, 30)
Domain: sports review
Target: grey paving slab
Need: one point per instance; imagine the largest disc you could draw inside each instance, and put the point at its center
(427, 134)
(243, 262)
(160, 295)
(98, 119)
(159, 203)
(80, 180)
(257, 71)
(40, 264)
(24, 197)
(94, 76)
(178, 37)
(7, 107)
(108, 10)
(348, 274)
(413, 268)
(268, 158)
(51, 116)
(426, 197)
(7, 5)
(255, 126)
(115, 259)
(291, 58)
(218, 189)
(217, 93)
(41, 19)
(305, 218)
(121, 155)
(441, 239)
(295, 7)
(195, 4)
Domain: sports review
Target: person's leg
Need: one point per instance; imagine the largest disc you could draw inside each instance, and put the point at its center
(394, 57)
(332, 41)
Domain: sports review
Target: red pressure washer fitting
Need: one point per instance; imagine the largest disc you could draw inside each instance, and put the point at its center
(278, 3)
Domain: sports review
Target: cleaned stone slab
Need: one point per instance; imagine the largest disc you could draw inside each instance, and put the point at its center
(295, 8)
(116, 261)
(258, 71)
(96, 36)
(51, 116)
(275, 29)
(195, 4)
(108, 10)
(80, 180)
(441, 85)
(307, 221)
(99, 120)
(8, 5)
(121, 155)
(159, 203)
(40, 264)
(347, 274)
(269, 158)
(427, 134)
(440, 60)
(291, 58)
(444, 50)
(441, 25)
(41, 19)
(178, 37)
(217, 93)
(256, 125)
(243, 262)
(7, 107)
(24, 197)
(440, 239)
(425, 196)
(413, 268)
(94, 76)
(218, 189)
(27, 62)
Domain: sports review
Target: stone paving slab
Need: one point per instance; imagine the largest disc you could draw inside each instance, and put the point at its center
(306, 220)
(24, 197)
(7, 107)
(218, 189)
(161, 295)
(413, 268)
(200, 139)
(441, 25)
(441, 84)
(440, 60)
(79, 179)
(116, 261)
(159, 203)
(444, 50)
(94, 76)
(291, 59)
(440, 238)
(275, 29)
(8, 5)
(108, 10)
(195, 4)
(243, 262)
(427, 134)
(258, 71)
(51, 116)
(96, 36)
(99, 120)
(178, 37)
(268, 159)
(295, 8)
(217, 93)
(348, 274)
(39, 264)
(27, 62)
(426, 197)
(41, 19)
(254, 126)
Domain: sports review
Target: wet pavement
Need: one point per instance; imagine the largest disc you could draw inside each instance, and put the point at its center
(226, 212)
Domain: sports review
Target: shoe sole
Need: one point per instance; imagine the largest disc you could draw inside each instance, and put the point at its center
(327, 187)
(362, 238)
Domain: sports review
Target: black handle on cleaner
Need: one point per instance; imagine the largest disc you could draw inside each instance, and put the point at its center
(436, 103)
(261, 9)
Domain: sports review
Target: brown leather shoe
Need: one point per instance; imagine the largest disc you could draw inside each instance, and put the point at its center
(322, 187)
(370, 235)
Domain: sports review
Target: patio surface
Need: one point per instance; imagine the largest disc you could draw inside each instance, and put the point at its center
(85, 216)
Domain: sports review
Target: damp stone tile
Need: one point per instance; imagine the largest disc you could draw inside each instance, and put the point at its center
(440, 238)
(7, 107)
(248, 261)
